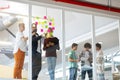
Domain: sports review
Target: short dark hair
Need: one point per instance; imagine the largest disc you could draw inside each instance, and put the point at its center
(74, 45)
(87, 45)
(98, 45)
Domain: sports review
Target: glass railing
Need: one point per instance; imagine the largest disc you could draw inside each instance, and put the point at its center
(112, 66)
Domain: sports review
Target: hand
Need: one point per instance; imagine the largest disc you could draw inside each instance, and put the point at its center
(43, 35)
(47, 45)
(25, 38)
(77, 60)
(51, 43)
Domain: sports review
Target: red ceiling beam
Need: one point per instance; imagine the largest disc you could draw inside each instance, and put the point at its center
(91, 5)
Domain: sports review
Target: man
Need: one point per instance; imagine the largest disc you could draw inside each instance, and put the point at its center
(86, 61)
(72, 58)
(19, 51)
(36, 52)
(51, 44)
(100, 62)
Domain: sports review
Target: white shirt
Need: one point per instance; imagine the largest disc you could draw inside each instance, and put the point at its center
(100, 62)
(85, 59)
(19, 43)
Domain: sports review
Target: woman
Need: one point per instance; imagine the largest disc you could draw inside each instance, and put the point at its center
(100, 62)
(51, 44)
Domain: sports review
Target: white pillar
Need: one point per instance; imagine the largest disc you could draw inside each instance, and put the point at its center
(63, 46)
(30, 45)
(93, 47)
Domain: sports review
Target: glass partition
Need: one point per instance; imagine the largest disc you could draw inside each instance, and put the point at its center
(107, 36)
(10, 18)
(46, 18)
(77, 30)
(47, 23)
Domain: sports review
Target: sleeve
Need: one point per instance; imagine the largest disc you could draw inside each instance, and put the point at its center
(45, 43)
(58, 46)
(34, 38)
(70, 55)
(91, 57)
(81, 56)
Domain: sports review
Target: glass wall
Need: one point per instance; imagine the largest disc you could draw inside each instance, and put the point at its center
(106, 30)
(78, 29)
(9, 24)
(46, 18)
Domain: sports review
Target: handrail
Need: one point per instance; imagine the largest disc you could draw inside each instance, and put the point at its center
(115, 54)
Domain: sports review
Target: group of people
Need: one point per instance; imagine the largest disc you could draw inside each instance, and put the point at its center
(86, 60)
(51, 44)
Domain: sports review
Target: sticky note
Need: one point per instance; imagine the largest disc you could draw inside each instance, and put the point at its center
(41, 30)
(50, 23)
(45, 17)
(36, 23)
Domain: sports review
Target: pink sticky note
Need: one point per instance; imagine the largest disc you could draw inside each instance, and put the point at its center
(48, 30)
(53, 28)
(36, 23)
(41, 30)
(50, 23)
(45, 17)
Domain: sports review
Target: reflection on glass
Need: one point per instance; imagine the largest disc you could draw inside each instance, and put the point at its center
(9, 25)
(107, 36)
(47, 20)
(78, 30)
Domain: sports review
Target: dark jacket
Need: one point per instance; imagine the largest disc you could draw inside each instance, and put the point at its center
(35, 39)
(51, 50)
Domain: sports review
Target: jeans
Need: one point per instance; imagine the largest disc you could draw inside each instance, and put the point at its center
(51, 62)
(36, 65)
(100, 76)
(73, 73)
(89, 71)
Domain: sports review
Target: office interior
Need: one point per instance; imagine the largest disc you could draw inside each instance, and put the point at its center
(71, 23)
